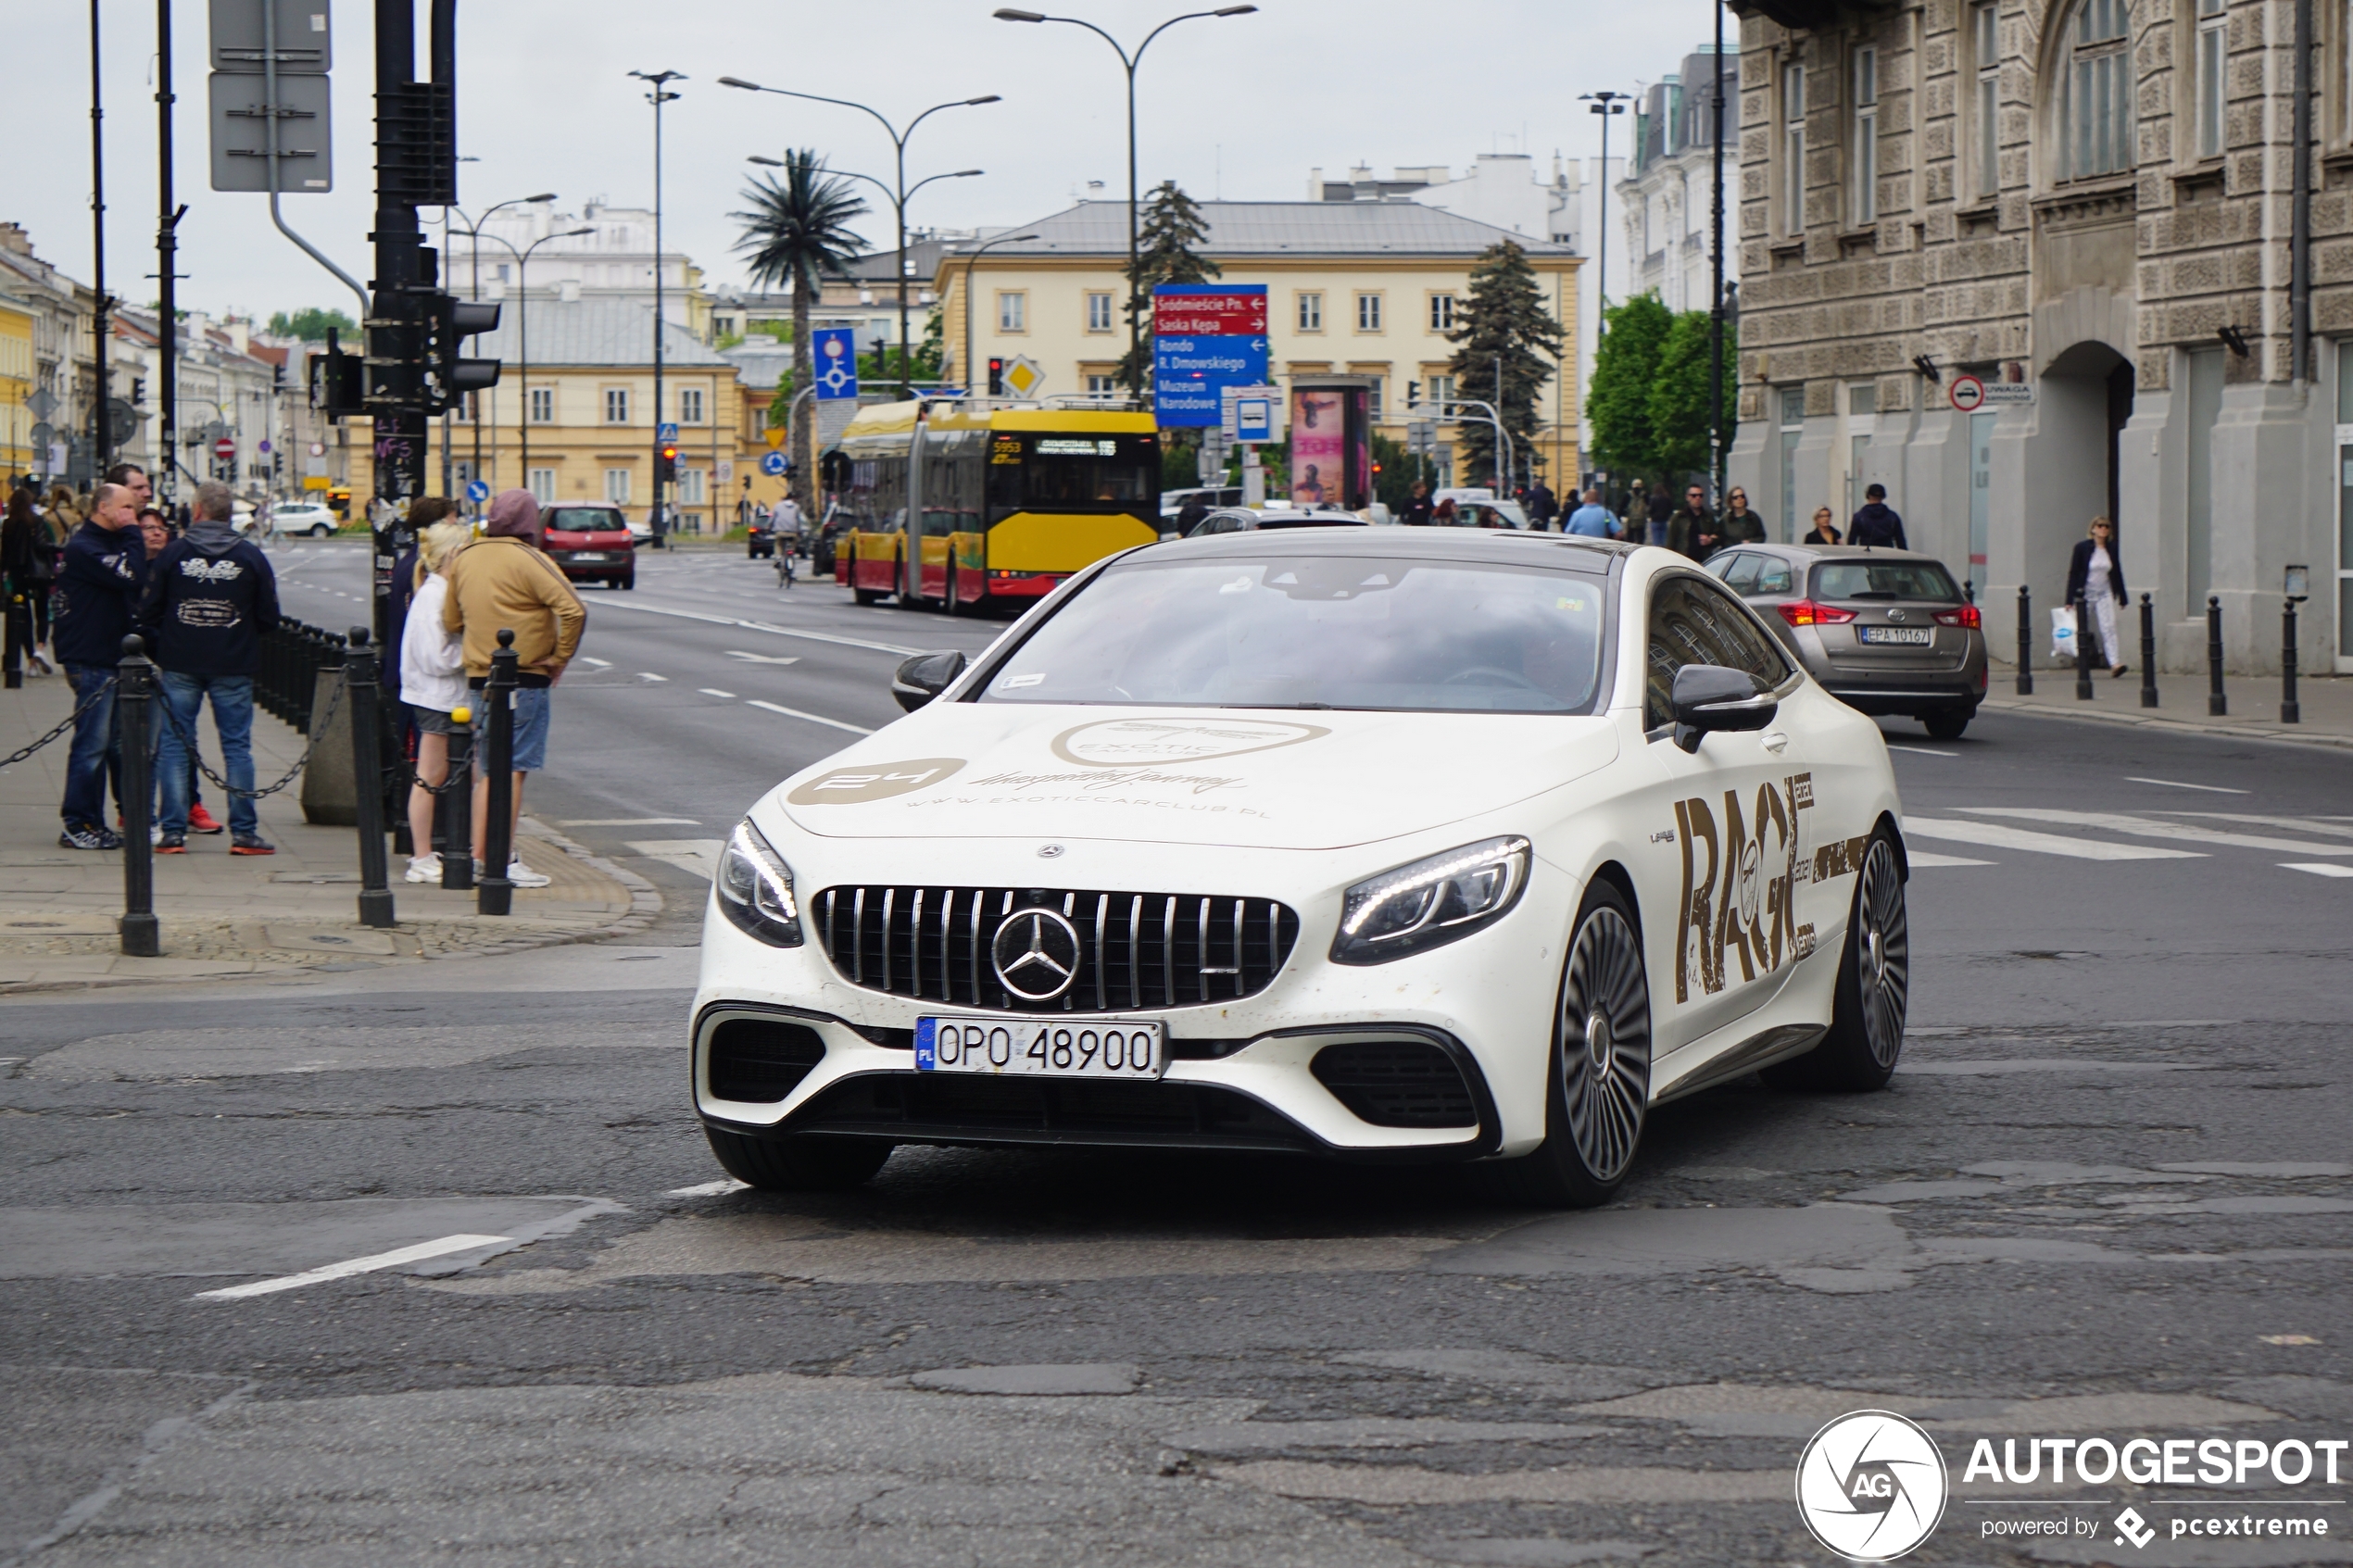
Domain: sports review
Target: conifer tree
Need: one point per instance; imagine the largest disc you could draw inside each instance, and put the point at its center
(1172, 226)
(1503, 326)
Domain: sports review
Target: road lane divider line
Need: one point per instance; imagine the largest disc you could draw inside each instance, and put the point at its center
(2323, 825)
(813, 718)
(650, 675)
(2318, 868)
(393, 1259)
(1921, 751)
(2000, 836)
(600, 663)
(2176, 783)
(1922, 858)
(2150, 827)
(715, 691)
(763, 657)
(760, 626)
(709, 1189)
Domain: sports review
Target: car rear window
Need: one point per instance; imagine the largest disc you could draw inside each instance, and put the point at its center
(586, 520)
(1885, 579)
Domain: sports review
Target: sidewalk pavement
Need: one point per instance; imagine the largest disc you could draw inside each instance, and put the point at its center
(2326, 703)
(292, 913)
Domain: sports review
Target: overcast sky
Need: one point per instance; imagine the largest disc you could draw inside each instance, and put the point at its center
(1242, 106)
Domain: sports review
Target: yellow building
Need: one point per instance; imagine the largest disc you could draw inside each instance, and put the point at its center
(1362, 288)
(16, 384)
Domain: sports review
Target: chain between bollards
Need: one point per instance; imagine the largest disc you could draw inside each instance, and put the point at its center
(134, 692)
(2025, 642)
(2217, 705)
(359, 679)
(2148, 652)
(495, 893)
(2291, 712)
(2083, 650)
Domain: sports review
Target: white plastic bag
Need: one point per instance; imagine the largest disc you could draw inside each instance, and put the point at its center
(2063, 633)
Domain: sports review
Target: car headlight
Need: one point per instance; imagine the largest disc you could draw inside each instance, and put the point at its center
(1432, 902)
(755, 889)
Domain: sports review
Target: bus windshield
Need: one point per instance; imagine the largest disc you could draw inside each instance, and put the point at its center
(1027, 470)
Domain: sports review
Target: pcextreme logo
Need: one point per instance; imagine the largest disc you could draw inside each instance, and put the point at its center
(1872, 1485)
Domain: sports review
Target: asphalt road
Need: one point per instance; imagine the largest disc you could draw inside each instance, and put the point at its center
(2105, 1197)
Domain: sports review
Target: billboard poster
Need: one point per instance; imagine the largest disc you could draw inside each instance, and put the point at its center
(1318, 446)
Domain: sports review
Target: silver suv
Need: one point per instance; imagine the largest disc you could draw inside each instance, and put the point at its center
(1883, 631)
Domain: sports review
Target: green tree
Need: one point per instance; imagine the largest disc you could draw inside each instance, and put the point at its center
(1506, 346)
(1172, 226)
(1679, 401)
(797, 230)
(310, 325)
(1619, 398)
(1394, 470)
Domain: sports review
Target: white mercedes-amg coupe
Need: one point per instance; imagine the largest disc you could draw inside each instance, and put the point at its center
(1375, 844)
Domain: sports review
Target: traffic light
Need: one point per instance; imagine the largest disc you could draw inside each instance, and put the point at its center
(334, 382)
(996, 378)
(449, 374)
(666, 462)
(1413, 394)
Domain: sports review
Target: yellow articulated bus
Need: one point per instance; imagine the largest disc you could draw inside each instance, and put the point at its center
(968, 506)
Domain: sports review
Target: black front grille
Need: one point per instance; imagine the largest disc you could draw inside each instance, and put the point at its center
(761, 1060)
(1136, 950)
(1397, 1084)
(960, 1108)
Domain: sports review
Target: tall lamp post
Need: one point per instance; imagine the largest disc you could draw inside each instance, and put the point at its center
(101, 432)
(1715, 295)
(522, 327)
(1129, 62)
(900, 193)
(1605, 104)
(964, 365)
(660, 94)
(472, 231)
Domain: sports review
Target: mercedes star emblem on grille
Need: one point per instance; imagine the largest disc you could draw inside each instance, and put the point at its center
(1036, 954)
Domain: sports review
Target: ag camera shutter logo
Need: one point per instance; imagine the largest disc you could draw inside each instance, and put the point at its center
(1872, 1485)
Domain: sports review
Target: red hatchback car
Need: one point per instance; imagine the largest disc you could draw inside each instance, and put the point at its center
(592, 545)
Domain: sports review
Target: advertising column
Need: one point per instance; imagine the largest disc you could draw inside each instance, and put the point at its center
(1331, 452)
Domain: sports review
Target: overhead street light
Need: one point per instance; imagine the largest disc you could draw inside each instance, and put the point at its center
(472, 231)
(1128, 62)
(523, 325)
(660, 80)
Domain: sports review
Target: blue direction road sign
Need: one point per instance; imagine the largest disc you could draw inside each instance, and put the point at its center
(477, 492)
(773, 465)
(1206, 337)
(665, 432)
(836, 353)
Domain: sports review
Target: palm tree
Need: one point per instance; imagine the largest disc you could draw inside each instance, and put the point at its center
(798, 234)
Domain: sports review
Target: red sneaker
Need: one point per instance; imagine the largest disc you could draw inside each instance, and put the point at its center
(202, 821)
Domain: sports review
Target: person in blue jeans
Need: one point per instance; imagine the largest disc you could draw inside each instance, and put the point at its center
(210, 597)
(104, 571)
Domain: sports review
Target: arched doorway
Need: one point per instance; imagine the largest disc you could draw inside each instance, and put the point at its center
(2086, 397)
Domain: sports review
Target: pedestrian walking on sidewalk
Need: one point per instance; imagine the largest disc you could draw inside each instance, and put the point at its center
(157, 531)
(1875, 523)
(1824, 530)
(1741, 526)
(211, 599)
(29, 567)
(501, 580)
(2095, 574)
(1592, 520)
(1693, 531)
(95, 606)
(432, 682)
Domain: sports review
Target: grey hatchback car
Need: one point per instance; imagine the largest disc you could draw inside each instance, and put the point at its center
(1885, 631)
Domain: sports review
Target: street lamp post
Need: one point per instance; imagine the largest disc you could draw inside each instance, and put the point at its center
(472, 231)
(1604, 103)
(1716, 296)
(659, 96)
(522, 327)
(900, 192)
(1128, 62)
(964, 365)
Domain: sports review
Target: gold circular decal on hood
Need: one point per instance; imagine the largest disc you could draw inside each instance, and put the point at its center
(873, 781)
(1131, 743)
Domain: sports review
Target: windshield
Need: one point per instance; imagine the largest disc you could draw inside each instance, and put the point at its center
(1319, 632)
(1886, 580)
(1062, 471)
(585, 520)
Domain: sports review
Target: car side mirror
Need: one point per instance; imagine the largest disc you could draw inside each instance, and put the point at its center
(924, 676)
(1709, 697)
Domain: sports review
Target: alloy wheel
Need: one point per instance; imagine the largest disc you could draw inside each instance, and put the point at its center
(1882, 952)
(1604, 1037)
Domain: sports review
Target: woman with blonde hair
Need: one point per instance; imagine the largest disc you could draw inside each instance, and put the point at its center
(2097, 575)
(432, 682)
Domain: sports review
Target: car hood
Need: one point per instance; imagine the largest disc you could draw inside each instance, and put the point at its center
(1166, 775)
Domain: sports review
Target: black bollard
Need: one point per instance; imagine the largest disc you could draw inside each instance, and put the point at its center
(2025, 642)
(453, 812)
(2217, 705)
(134, 697)
(367, 778)
(12, 661)
(2148, 653)
(2291, 712)
(496, 895)
(2082, 651)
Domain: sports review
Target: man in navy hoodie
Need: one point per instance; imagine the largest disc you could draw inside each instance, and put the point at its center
(97, 594)
(210, 596)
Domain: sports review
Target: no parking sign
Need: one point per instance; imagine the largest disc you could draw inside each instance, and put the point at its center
(1967, 394)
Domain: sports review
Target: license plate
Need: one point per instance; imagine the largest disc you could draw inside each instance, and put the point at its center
(1059, 1047)
(589, 555)
(1917, 636)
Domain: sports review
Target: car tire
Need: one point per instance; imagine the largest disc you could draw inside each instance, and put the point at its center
(1597, 1096)
(803, 1162)
(628, 583)
(864, 596)
(1873, 989)
(1948, 724)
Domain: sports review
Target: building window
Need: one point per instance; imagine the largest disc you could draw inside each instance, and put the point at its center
(1013, 312)
(1986, 38)
(1099, 313)
(2211, 50)
(1793, 150)
(617, 486)
(690, 487)
(543, 404)
(690, 405)
(1442, 313)
(616, 405)
(1368, 313)
(1442, 391)
(543, 485)
(1867, 136)
(1377, 406)
(1311, 313)
(1793, 421)
(1098, 384)
(2095, 93)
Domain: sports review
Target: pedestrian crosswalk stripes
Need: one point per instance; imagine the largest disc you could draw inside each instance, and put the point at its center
(2090, 839)
(2151, 827)
(2333, 828)
(1922, 860)
(2001, 836)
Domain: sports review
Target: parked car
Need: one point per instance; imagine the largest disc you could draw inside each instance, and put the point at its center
(1490, 514)
(1884, 631)
(313, 517)
(592, 545)
(1241, 520)
(1173, 501)
(760, 537)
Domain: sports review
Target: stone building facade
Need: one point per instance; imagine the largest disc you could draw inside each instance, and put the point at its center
(2090, 205)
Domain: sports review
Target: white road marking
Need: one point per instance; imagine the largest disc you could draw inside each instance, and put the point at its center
(813, 718)
(763, 657)
(650, 675)
(1996, 835)
(2326, 826)
(2176, 783)
(1923, 857)
(2318, 868)
(697, 855)
(356, 1266)
(715, 691)
(2150, 827)
(762, 626)
(709, 1189)
(630, 822)
(1921, 751)
(600, 663)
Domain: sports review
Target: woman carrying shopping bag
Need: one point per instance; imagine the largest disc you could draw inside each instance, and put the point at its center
(2097, 576)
